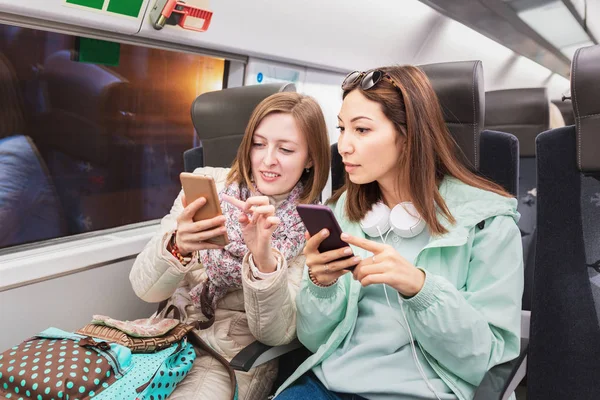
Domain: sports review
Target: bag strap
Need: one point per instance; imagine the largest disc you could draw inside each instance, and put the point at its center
(200, 325)
(197, 341)
(163, 304)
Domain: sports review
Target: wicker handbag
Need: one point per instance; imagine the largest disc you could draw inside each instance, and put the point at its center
(126, 334)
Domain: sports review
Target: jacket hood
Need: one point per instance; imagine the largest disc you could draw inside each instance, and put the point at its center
(470, 205)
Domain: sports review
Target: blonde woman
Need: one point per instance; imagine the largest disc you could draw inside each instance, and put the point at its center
(245, 291)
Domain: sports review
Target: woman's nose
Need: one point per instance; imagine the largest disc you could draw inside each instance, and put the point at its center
(270, 157)
(345, 145)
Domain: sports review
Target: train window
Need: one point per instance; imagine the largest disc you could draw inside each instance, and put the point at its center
(86, 147)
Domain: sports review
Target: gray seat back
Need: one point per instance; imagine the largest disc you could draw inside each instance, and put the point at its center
(523, 112)
(220, 120)
(459, 87)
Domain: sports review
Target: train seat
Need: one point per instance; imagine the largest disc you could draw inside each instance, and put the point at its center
(564, 355)
(525, 113)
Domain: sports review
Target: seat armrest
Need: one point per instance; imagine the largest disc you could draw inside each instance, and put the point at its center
(502, 380)
(257, 353)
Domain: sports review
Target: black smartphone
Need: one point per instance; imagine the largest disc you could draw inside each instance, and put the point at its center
(316, 218)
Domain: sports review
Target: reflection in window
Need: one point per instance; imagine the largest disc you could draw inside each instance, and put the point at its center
(85, 147)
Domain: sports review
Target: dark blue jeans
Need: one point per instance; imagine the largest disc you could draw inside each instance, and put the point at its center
(309, 387)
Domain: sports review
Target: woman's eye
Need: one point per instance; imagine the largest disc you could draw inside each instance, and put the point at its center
(341, 128)
(256, 144)
(362, 130)
(287, 151)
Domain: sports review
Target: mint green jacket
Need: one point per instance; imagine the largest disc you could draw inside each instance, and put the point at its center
(467, 316)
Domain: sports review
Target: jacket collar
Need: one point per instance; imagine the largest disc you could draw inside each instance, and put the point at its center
(468, 205)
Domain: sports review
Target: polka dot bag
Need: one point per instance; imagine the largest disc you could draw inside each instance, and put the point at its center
(62, 365)
(67, 367)
(154, 375)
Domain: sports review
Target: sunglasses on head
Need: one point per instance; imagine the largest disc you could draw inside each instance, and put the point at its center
(367, 79)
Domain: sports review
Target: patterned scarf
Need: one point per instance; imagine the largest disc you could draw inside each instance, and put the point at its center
(224, 267)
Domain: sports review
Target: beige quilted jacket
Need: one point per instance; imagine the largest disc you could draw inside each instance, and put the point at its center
(263, 310)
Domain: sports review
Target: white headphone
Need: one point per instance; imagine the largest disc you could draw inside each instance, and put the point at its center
(403, 219)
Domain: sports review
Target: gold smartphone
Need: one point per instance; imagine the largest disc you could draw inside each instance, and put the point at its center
(195, 186)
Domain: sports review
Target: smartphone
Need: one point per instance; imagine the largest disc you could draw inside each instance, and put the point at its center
(316, 218)
(195, 186)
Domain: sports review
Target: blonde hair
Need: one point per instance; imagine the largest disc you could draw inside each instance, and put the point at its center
(309, 117)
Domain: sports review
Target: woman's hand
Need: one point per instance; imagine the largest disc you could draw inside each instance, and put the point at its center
(258, 222)
(326, 267)
(191, 235)
(386, 266)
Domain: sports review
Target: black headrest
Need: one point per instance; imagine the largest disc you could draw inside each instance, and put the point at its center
(523, 112)
(585, 92)
(220, 118)
(459, 87)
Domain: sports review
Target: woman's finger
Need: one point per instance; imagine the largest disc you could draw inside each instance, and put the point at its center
(204, 246)
(208, 223)
(203, 236)
(340, 265)
(313, 243)
(363, 270)
(363, 243)
(374, 279)
(243, 219)
(334, 255)
(235, 202)
(263, 210)
(258, 201)
(190, 210)
(272, 222)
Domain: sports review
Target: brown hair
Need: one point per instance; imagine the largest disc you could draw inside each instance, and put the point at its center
(11, 115)
(415, 111)
(309, 118)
